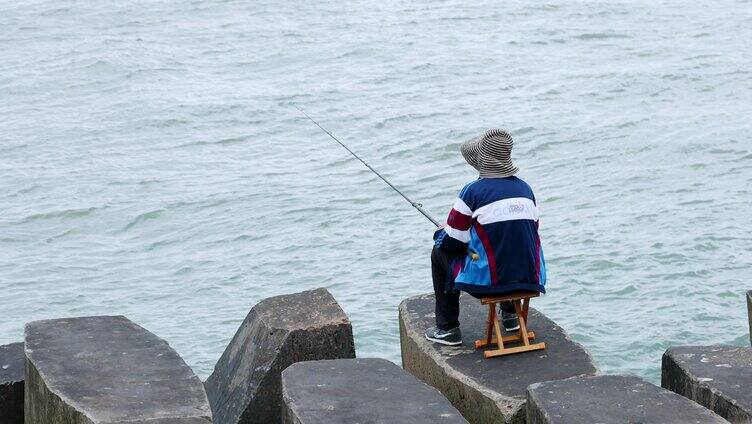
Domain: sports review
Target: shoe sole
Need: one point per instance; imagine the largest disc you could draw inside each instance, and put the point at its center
(512, 329)
(444, 342)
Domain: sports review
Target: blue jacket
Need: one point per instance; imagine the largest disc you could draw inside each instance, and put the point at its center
(497, 219)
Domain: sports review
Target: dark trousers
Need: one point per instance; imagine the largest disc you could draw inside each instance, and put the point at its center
(448, 300)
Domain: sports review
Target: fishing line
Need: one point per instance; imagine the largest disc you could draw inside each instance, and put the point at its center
(416, 205)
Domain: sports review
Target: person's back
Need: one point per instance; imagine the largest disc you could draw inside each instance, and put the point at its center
(490, 244)
(498, 219)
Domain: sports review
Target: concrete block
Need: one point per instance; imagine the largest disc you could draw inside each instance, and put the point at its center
(611, 399)
(11, 383)
(346, 391)
(749, 314)
(717, 377)
(279, 331)
(485, 390)
(107, 370)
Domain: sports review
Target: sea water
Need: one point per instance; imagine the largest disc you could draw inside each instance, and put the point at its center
(152, 163)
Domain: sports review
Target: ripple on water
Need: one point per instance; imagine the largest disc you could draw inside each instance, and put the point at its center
(143, 217)
(60, 214)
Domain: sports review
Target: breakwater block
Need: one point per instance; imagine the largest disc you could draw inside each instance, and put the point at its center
(245, 386)
(345, 391)
(611, 399)
(12, 383)
(485, 390)
(107, 370)
(749, 313)
(717, 377)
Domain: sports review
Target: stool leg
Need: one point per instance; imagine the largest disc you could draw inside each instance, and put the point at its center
(525, 308)
(489, 324)
(523, 328)
(488, 339)
(499, 338)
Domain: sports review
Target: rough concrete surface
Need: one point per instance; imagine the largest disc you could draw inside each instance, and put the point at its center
(611, 399)
(279, 331)
(485, 390)
(717, 377)
(11, 383)
(374, 391)
(107, 370)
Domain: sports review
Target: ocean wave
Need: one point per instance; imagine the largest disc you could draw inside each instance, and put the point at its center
(62, 215)
(600, 36)
(143, 217)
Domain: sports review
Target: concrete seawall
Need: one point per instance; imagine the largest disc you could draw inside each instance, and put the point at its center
(291, 362)
(611, 399)
(245, 386)
(107, 370)
(12, 383)
(717, 377)
(749, 314)
(346, 391)
(485, 390)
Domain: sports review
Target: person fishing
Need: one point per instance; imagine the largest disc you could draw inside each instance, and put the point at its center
(490, 243)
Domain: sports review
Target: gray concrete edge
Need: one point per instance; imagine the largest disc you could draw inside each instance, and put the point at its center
(694, 389)
(441, 375)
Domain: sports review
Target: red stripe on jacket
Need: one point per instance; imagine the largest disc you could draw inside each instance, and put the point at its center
(459, 221)
(490, 254)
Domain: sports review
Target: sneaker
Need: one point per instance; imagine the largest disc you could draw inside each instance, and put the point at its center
(510, 321)
(451, 337)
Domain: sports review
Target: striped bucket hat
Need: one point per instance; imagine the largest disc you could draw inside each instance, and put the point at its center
(490, 154)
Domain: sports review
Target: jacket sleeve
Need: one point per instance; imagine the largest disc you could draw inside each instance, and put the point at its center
(455, 236)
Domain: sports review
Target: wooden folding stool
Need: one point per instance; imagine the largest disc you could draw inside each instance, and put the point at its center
(521, 301)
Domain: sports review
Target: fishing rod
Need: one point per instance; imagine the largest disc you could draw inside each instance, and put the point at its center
(416, 205)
